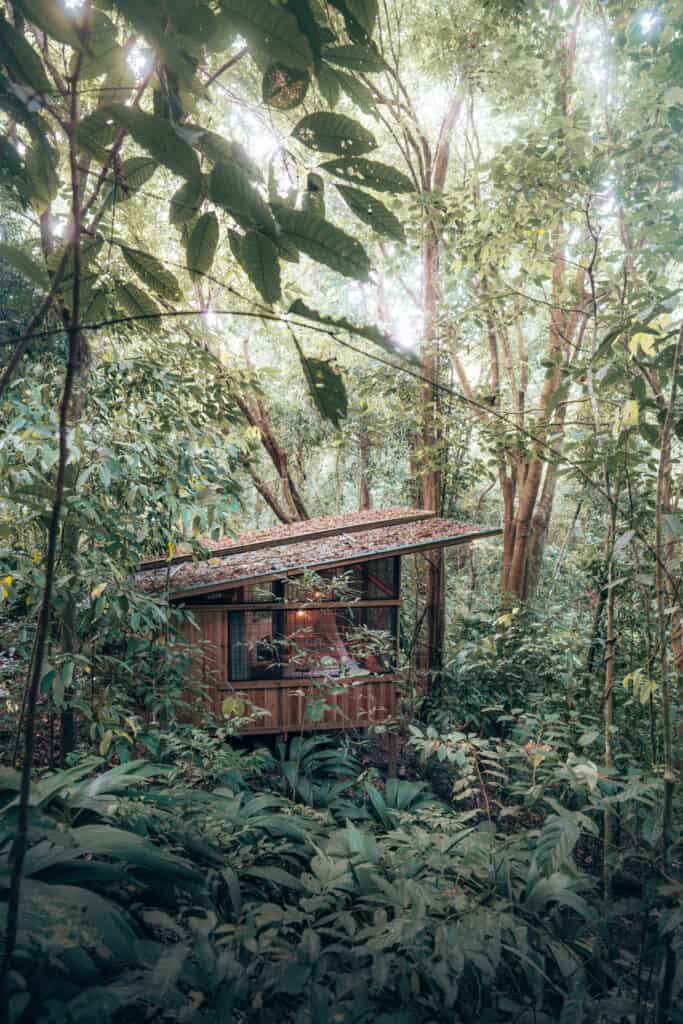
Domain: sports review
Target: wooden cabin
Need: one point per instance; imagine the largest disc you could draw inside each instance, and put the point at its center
(302, 621)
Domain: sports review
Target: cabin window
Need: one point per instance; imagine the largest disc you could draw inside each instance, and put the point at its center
(254, 645)
(300, 642)
(339, 641)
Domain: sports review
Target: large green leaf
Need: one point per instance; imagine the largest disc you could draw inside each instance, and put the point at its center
(43, 183)
(230, 188)
(227, 151)
(21, 261)
(325, 243)
(96, 133)
(152, 273)
(97, 307)
(85, 918)
(49, 16)
(260, 261)
(187, 200)
(334, 133)
(156, 135)
(356, 57)
(150, 19)
(201, 246)
(21, 60)
(134, 850)
(102, 55)
(271, 29)
(326, 386)
(371, 211)
(370, 173)
(365, 12)
(138, 305)
(137, 171)
(299, 308)
(356, 90)
(314, 196)
(329, 84)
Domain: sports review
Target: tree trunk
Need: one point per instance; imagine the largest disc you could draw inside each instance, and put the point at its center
(364, 497)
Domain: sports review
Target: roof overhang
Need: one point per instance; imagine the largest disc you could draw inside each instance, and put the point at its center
(296, 570)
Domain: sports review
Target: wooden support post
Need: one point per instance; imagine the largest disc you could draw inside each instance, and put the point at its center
(392, 754)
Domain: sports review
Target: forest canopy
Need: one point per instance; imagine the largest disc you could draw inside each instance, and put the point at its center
(265, 261)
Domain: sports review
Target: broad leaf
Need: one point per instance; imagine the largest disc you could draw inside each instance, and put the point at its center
(142, 310)
(260, 260)
(96, 133)
(325, 243)
(357, 58)
(17, 258)
(373, 334)
(371, 211)
(272, 29)
(49, 16)
(314, 196)
(334, 133)
(43, 182)
(137, 171)
(201, 246)
(329, 85)
(157, 136)
(365, 12)
(227, 151)
(327, 389)
(356, 90)
(235, 242)
(152, 273)
(370, 173)
(97, 307)
(21, 60)
(187, 200)
(230, 188)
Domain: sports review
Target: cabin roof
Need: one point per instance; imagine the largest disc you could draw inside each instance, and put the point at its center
(292, 533)
(326, 542)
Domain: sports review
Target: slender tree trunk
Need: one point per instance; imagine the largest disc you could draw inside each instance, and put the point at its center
(430, 654)
(76, 341)
(608, 713)
(70, 556)
(364, 497)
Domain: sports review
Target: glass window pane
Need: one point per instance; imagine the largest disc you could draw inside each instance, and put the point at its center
(338, 641)
(253, 645)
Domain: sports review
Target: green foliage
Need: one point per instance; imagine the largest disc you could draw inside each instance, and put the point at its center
(356, 57)
(158, 137)
(334, 133)
(202, 245)
(324, 242)
(369, 173)
(152, 273)
(271, 30)
(186, 201)
(230, 188)
(327, 389)
(259, 257)
(371, 211)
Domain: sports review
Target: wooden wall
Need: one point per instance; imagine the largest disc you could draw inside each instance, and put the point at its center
(293, 705)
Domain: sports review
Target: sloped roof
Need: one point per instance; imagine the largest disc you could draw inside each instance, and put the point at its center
(292, 533)
(296, 554)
